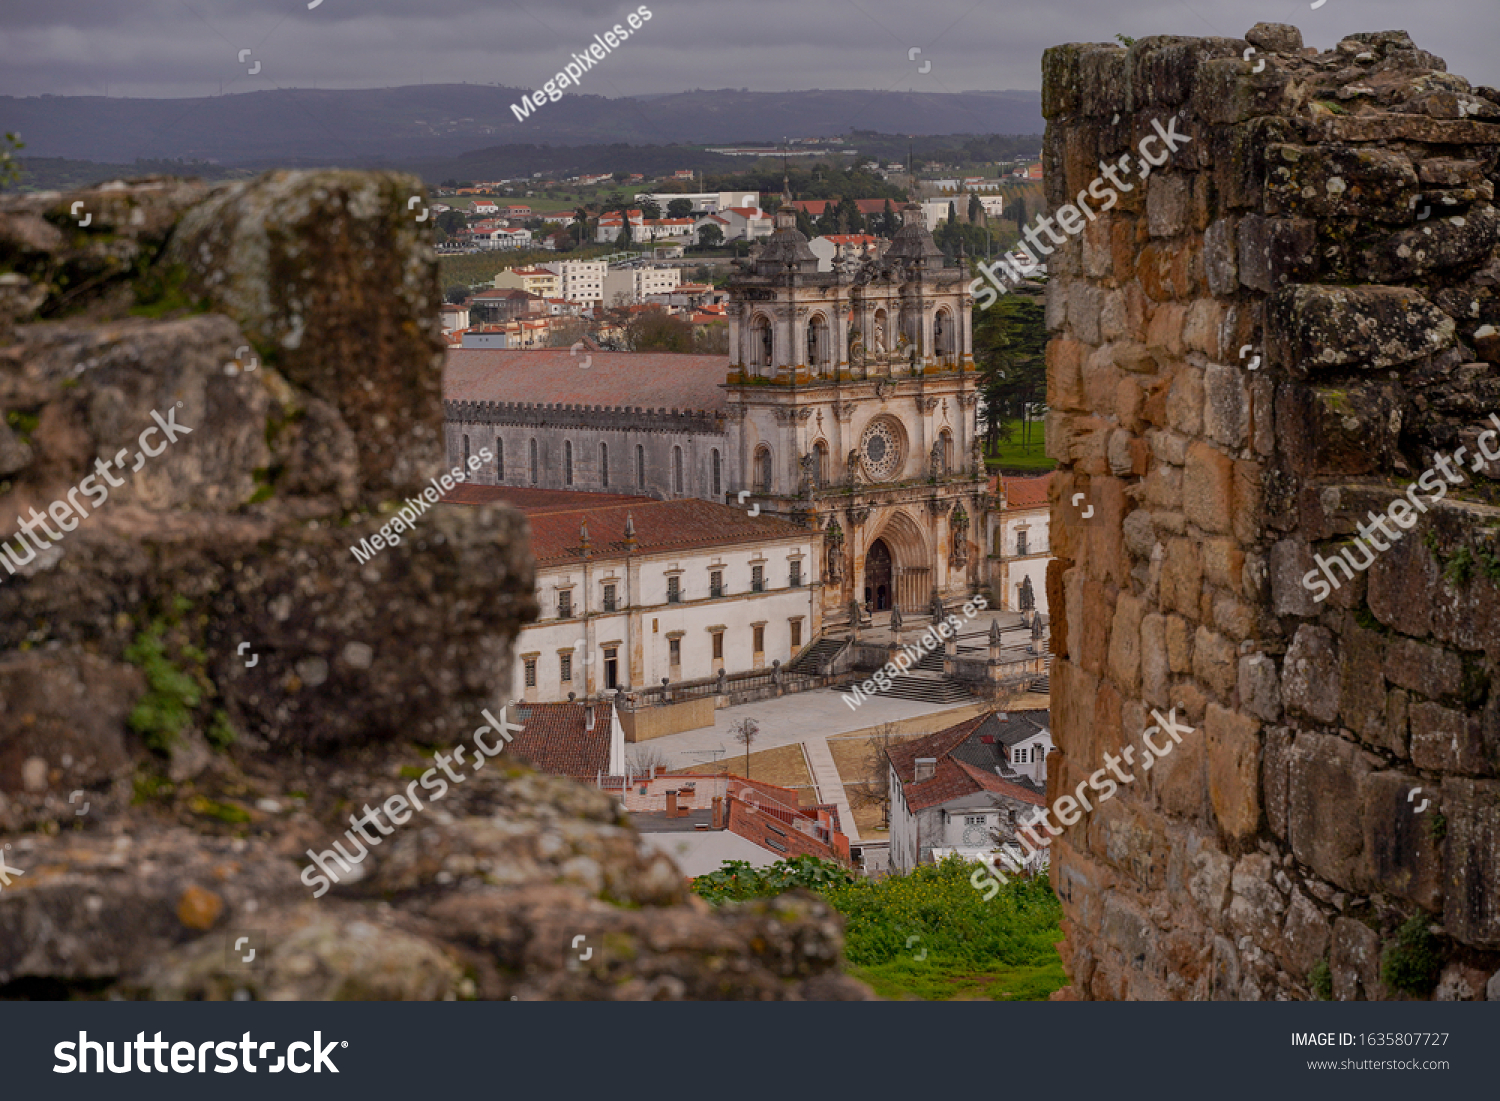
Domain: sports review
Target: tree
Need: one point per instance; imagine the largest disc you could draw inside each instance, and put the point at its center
(710, 236)
(873, 789)
(849, 216)
(658, 331)
(451, 221)
(1018, 212)
(745, 732)
(456, 293)
(650, 208)
(680, 208)
(644, 758)
(1010, 341)
(952, 212)
(976, 208)
(805, 225)
(711, 339)
(620, 177)
(888, 221)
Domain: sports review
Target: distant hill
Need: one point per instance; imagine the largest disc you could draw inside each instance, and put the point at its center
(437, 122)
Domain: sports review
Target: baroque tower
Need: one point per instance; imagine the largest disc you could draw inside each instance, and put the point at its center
(854, 396)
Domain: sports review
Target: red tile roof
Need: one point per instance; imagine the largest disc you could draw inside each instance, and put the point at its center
(746, 211)
(851, 238)
(1024, 492)
(553, 739)
(552, 376)
(952, 778)
(660, 526)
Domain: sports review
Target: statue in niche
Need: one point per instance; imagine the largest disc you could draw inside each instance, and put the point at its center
(879, 339)
(935, 464)
(976, 455)
(834, 535)
(854, 463)
(809, 464)
(960, 526)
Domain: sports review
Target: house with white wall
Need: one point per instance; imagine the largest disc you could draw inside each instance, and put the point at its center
(967, 789)
(1019, 542)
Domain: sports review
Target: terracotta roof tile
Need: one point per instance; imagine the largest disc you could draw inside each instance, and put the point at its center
(1026, 492)
(553, 376)
(553, 738)
(555, 516)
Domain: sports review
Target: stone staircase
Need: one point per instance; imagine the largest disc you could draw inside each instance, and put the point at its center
(926, 688)
(811, 659)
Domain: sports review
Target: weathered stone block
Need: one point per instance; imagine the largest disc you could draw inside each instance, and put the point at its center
(1260, 691)
(1125, 643)
(1290, 561)
(1181, 582)
(1309, 675)
(1233, 770)
(1327, 777)
(1276, 251)
(1311, 327)
(1431, 245)
(1405, 858)
(1214, 661)
(1337, 181)
(1446, 740)
(1226, 410)
(1355, 962)
(1305, 935)
(1471, 854)
(1432, 671)
(1168, 205)
(1207, 487)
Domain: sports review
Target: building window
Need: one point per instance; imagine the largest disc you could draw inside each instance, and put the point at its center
(676, 470)
(567, 462)
(763, 470)
(760, 638)
(974, 819)
(565, 667)
(716, 468)
(604, 464)
(718, 645)
(674, 590)
(796, 634)
(611, 667)
(716, 583)
(533, 460)
(674, 650)
(530, 664)
(1023, 756)
(1020, 542)
(466, 453)
(609, 598)
(499, 459)
(757, 581)
(565, 604)
(640, 465)
(795, 580)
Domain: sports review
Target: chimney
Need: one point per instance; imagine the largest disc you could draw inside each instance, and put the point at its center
(926, 767)
(672, 803)
(588, 717)
(718, 812)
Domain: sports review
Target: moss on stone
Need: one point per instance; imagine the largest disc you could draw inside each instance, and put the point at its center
(1413, 961)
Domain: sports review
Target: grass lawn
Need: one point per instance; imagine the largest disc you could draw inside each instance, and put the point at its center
(1013, 455)
(933, 981)
(784, 765)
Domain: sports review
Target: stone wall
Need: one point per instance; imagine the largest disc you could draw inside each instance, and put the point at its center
(1278, 331)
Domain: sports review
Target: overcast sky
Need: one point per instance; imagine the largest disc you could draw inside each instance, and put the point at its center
(173, 48)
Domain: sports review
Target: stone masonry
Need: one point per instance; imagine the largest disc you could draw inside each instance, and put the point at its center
(1274, 334)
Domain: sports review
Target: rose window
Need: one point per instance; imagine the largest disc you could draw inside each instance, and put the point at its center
(881, 451)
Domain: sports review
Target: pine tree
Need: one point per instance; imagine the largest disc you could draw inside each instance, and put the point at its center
(976, 208)
(888, 225)
(952, 212)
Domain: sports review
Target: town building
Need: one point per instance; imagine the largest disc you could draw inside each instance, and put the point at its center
(631, 285)
(704, 202)
(634, 591)
(702, 821)
(1019, 543)
(578, 280)
(537, 281)
(833, 247)
(966, 790)
(580, 740)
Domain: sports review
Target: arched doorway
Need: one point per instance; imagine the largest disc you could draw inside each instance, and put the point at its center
(878, 574)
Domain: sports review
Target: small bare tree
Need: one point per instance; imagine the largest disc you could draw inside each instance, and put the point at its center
(873, 788)
(644, 758)
(745, 732)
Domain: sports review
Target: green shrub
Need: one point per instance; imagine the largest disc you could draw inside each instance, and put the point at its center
(1320, 981)
(164, 712)
(1412, 961)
